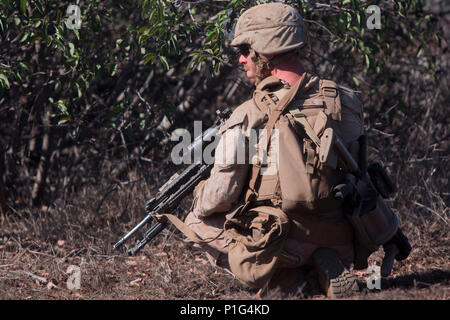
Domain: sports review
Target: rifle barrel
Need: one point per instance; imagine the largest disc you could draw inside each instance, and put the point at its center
(129, 234)
(149, 235)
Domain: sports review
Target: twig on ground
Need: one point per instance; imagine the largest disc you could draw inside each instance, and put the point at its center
(431, 210)
(35, 277)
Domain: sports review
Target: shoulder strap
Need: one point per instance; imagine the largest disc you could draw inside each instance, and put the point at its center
(329, 91)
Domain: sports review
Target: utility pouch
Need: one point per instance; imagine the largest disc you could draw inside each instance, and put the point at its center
(373, 221)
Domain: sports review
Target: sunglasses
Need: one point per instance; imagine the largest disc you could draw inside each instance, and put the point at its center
(243, 50)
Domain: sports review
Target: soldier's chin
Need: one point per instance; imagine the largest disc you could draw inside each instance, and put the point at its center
(252, 79)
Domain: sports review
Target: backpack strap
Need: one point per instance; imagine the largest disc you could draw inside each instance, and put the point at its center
(329, 92)
(263, 98)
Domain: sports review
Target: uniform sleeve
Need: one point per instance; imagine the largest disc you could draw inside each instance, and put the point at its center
(228, 178)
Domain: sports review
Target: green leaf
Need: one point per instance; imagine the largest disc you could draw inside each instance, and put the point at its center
(4, 79)
(39, 7)
(164, 62)
(349, 19)
(80, 94)
(23, 6)
(71, 49)
(23, 66)
(358, 16)
(367, 60)
(113, 69)
(217, 68)
(62, 107)
(58, 17)
(24, 37)
(19, 77)
(194, 53)
(150, 57)
(63, 120)
(8, 4)
(438, 38)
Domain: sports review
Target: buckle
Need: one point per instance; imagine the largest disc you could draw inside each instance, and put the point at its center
(329, 92)
(258, 163)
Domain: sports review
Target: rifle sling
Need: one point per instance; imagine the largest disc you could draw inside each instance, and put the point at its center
(180, 225)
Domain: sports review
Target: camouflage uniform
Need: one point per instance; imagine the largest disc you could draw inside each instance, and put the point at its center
(228, 181)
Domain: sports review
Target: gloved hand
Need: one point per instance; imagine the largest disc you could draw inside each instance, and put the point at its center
(399, 248)
(347, 193)
(342, 191)
(390, 251)
(356, 194)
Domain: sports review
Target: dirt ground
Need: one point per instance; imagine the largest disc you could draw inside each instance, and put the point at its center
(169, 269)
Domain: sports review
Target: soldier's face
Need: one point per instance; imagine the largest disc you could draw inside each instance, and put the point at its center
(247, 62)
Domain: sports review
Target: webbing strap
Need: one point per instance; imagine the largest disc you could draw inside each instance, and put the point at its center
(329, 91)
(180, 225)
(301, 118)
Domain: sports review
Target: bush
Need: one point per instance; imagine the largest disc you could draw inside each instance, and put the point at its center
(86, 107)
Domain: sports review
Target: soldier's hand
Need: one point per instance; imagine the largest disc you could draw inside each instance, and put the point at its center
(341, 191)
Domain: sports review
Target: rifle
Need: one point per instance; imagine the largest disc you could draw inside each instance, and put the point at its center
(176, 188)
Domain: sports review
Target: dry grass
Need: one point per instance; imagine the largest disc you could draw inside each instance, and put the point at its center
(37, 247)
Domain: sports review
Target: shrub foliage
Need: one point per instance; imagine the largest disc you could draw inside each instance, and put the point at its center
(78, 106)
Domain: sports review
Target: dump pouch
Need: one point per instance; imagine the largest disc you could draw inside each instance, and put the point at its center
(258, 238)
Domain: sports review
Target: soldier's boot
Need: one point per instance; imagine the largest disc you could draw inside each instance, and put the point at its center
(334, 279)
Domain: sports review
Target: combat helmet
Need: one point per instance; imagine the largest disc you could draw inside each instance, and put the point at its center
(270, 28)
